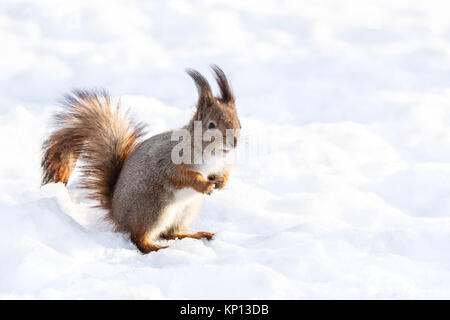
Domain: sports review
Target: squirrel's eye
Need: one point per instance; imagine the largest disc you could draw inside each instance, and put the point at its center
(211, 125)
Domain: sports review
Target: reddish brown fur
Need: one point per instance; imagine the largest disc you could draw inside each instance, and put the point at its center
(60, 157)
(198, 235)
(145, 245)
(93, 129)
(220, 181)
(186, 178)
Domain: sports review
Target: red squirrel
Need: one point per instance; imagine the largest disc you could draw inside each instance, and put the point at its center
(145, 193)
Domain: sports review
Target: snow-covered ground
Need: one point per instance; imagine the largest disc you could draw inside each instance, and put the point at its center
(342, 182)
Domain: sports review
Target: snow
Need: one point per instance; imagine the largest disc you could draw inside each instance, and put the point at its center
(342, 179)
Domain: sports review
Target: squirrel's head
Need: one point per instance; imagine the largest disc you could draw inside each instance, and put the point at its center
(217, 113)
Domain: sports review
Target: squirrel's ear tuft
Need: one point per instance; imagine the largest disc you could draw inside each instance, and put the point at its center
(227, 95)
(205, 96)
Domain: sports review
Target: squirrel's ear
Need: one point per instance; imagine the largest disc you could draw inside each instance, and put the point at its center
(205, 96)
(227, 95)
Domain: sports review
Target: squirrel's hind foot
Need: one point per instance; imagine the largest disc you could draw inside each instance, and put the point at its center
(147, 246)
(199, 235)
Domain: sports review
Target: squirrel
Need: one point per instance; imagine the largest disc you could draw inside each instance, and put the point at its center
(145, 194)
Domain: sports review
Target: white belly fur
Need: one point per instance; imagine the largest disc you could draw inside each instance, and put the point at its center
(187, 203)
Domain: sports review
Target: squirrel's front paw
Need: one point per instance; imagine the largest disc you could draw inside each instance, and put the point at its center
(219, 181)
(209, 187)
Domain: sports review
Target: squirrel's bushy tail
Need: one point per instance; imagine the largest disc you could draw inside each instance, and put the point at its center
(91, 128)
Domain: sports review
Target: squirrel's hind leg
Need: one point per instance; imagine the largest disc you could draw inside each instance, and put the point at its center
(146, 246)
(199, 235)
(179, 229)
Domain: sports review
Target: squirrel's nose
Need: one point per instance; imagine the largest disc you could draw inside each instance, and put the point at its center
(235, 142)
